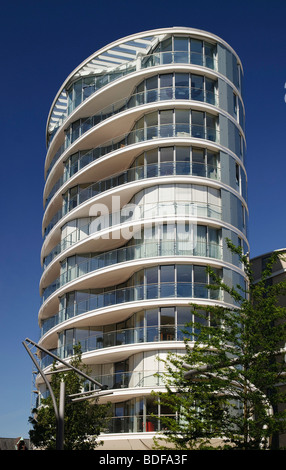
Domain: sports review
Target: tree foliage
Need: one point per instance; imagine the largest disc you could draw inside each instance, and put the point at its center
(83, 420)
(227, 389)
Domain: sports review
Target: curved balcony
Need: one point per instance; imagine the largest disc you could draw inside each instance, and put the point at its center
(137, 424)
(149, 133)
(137, 293)
(133, 253)
(182, 130)
(141, 98)
(152, 60)
(177, 168)
(140, 213)
(134, 174)
(121, 337)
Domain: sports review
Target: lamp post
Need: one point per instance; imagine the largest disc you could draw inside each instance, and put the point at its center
(60, 410)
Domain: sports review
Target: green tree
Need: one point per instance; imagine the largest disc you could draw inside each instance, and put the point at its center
(225, 391)
(83, 421)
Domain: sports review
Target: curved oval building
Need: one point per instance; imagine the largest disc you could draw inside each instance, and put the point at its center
(144, 180)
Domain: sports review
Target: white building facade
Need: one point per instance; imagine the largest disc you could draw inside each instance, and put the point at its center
(145, 179)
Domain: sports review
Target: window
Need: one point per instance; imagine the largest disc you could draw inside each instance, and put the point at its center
(167, 324)
(237, 175)
(211, 127)
(204, 162)
(200, 243)
(196, 52)
(214, 240)
(264, 262)
(166, 46)
(200, 280)
(197, 87)
(209, 55)
(77, 93)
(166, 161)
(88, 87)
(152, 89)
(182, 86)
(152, 163)
(239, 76)
(198, 162)
(241, 146)
(178, 85)
(166, 123)
(151, 122)
(183, 160)
(184, 316)
(167, 281)
(182, 118)
(210, 88)
(166, 86)
(235, 105)
(75, 130)
(212, 164)
(152, 283)
(243, 216)
(184, 280)
(181, 48)
(198, 124)
(152, 325)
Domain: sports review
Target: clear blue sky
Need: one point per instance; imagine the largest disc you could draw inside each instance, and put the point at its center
(41, 43)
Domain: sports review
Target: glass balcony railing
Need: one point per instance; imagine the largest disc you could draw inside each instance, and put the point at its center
(151, 60)
(180, 57)
(139, 214)
(134, 174)
(134, 423)
(110, 298)
(122, 337)
(146, 97)
(132, 379)
(134, 252)
(139, 99)
(179, 168)
(168, 93)
(148, 133)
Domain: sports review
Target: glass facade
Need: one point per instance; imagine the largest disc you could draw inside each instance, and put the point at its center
(145, 180)
(162, 240)
(154, 325)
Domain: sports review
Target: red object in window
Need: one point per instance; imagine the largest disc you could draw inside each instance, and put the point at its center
(149, 426)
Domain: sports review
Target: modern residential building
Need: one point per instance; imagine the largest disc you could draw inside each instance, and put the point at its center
(145, 179)
(278, 275)
(259, 264)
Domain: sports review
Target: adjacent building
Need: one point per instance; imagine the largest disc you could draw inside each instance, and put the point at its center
(144, 180)
(278, 274)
